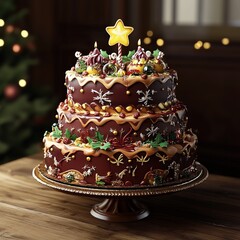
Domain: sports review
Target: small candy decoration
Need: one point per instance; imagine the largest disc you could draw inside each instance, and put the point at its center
(94, 57)
(148, 69)
(121, 73)
(109, 69)
(140, 54)
(138, 62)
(100, 63)
(158, 63)
(80, 65)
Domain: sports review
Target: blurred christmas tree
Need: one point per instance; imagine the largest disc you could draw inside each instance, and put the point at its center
(22, 107)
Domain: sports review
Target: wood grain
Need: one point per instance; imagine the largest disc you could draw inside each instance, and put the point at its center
(32, 211)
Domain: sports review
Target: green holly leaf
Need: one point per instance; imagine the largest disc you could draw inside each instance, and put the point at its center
(82, 66)
(100, 183)
(98, 142)
(99, 136)
(73, 137)
(105, 146)
(163, 144)
(104, 53)
(156, 52)
(95, 145)
(131, 53)
(67, 133)
(57, 133)
(159, 138)
(90, 140)
(158, 142)
(128, 57)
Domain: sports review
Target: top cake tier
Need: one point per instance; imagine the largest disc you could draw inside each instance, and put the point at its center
(140, 79)
(125, 91)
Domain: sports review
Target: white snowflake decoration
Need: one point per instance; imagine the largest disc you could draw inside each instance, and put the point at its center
(67, 158)
(171, 93)
(162, 158)
(146, 96)
(122, 173)
(93, 129)
(71, 88)
(129, 169)
(102, 97)
(143, 159)
(152, 131)
(47, 154)
(133, 172)
(88, 170)
(118, 160)
(176, 168)
(51, 171)
(55, 161)
(85, 167)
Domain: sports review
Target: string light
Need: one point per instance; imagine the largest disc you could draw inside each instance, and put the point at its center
(225, 41)
(1, 42)
(24, 33)
(147, 40)
(2, 23)
(16, 48)
(22, 83)
(206, 45)
(198, 44)
(149, 33)
(160, 42)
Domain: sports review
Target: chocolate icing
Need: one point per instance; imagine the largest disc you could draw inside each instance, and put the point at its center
(123, 131)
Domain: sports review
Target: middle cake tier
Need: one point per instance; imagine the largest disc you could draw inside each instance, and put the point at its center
(120, 126)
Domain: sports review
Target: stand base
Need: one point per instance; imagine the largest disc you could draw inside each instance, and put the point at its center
(119, 210)
(120, 204)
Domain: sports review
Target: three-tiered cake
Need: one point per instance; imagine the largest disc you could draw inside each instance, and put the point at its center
(121, 124)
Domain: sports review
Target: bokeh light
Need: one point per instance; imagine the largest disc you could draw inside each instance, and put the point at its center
(198, 44)
(1, 42)
(24, 33)
(206, 45)
(16, 48)
(22, 83)
(149, 33)
(10, 28)
(225, 41)
(160, 42)
(147, 40)
(2, 23)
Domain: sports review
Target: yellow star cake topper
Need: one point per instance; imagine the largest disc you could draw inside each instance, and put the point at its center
(119, 33)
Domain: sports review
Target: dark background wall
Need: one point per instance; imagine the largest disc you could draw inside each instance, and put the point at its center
(209, 79)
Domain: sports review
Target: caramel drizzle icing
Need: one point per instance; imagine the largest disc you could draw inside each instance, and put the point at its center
(88, 151)
(80, 114)
(189, 141)
(108, 82)
(135, 123)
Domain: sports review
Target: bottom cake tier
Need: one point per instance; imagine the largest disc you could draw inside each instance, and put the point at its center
(145, 166)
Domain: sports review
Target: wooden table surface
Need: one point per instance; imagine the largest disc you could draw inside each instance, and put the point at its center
(29, 210)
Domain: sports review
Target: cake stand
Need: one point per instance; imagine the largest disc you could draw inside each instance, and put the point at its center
(120, 204)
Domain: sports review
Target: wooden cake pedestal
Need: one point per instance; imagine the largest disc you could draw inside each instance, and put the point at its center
(120, 204)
